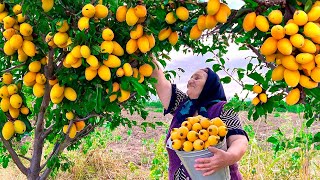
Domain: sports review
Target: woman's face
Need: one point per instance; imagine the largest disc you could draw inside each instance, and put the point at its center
(196, 84)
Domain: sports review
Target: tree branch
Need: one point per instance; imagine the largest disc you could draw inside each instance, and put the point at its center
(14, 67)
(269, 3)
(260, 56)
(14, 156)
(88, 117)
(47, 131)
(22, 156)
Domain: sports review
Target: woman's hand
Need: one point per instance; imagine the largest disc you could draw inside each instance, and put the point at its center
(210, 165)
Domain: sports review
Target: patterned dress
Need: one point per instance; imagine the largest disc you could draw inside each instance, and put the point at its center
(228, 116)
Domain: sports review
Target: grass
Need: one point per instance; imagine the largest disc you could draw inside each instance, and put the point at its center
(96, 159)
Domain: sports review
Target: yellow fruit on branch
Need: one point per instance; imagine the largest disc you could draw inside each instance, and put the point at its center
(128, 71)
(8, 130)
(121, 13)
(275, 16)
(304, 58)
(16, 41)
(170, 18)
(131, 46)
(311, 30)
(92, 61)
(137, 32)
(70, 94)
(107, 34)
(195, 33)
(62, 26)
(112, 61)
(146, 70)
(308, 46)
(106, 47)
(19, 126)
(278, 73)
(173, 38)
(47, 5)
(315, 74)
(101, 11)
(249, 22)
(104, 73)
(120, 72)
(38, 90)
(80, 125)
(8, 50)
(278, 32)
(70, 115)
(83, 23)
(201, 22)
(164, 33)
(90, 73)
(35, 66)
(131, 17)
(16, 101)
(5, 104)
(7, 78)
(12, 89)
(85, 51)
(29, 48)
(297, 40)
(222, 15)
(26, 29)
(140, 11)
(263, 97)
(269, 46)
(255, 101)
(291, 29)
(57, 91)
(292, 78)
(284, 46)
(257, 89)
(117, 49)
(314, 13)
(306, 82)
(72, 131)
(182, 13)
(143, 44)
(293, 97)
(300, 17)
(125, 95)
(211, 22)
(262, 23)
(213, 7)
(88, 10)
(24, 110)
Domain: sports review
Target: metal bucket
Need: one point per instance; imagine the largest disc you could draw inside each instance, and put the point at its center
(188, 161)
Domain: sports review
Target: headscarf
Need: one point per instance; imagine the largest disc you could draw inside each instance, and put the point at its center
(211, 94)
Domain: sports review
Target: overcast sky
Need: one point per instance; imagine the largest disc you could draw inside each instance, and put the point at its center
(190, 63)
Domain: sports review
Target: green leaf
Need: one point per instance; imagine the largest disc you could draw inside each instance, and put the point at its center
(257, 77)
(216, 67)
(272, 140)
(308, 6)
(226, 80)
(138, 87)
(316, 137)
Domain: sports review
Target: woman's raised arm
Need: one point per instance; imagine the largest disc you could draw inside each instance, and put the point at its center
(163, 86)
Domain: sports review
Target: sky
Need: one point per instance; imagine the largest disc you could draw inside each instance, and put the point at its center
(190, 63)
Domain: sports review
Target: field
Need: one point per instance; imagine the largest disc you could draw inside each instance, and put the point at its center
(137, 154)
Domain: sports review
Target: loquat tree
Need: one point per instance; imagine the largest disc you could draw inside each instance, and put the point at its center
(69, 66)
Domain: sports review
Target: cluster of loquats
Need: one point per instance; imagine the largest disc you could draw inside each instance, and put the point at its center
(134, 17)
(198, 133)
(261, 97)
(182, 14)
(293, 46)
(17, 32)
(217, 12)
(12, 103)
(75, 126)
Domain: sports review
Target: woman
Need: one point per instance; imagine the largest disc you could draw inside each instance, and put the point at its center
(205, 96)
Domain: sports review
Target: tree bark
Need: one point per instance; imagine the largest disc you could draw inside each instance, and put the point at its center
(38, 141)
